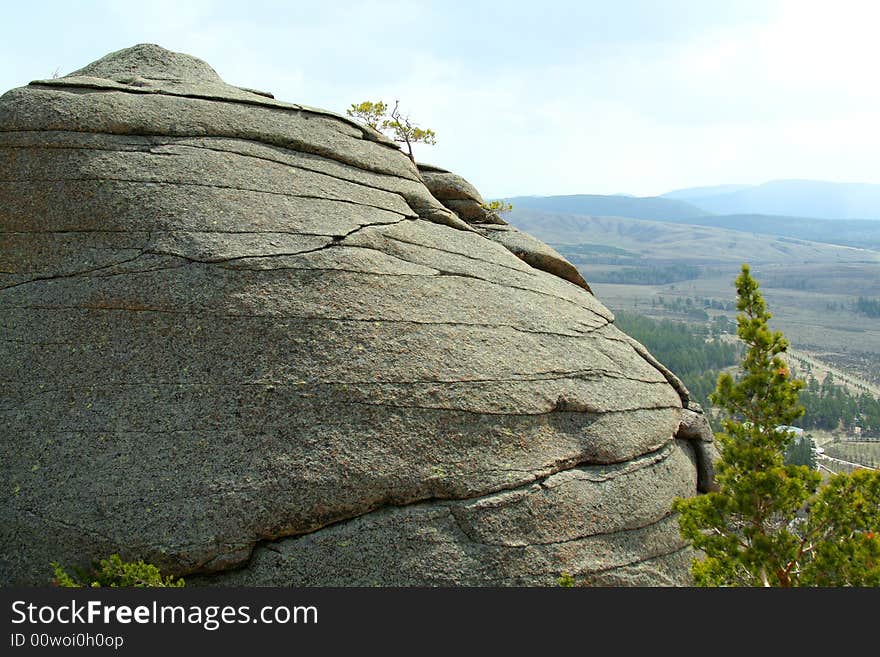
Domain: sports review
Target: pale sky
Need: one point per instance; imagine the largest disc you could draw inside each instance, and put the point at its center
(552, 97)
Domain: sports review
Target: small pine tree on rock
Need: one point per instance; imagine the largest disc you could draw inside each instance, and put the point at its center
(401, 128)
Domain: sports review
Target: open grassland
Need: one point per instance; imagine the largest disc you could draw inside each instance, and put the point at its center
(706, 245)
(807, 364)
(822, 325)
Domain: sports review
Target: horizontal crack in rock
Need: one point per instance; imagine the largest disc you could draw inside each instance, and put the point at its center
(414, 215)
(623, 530)
(304, 318)
(296, 145)
(537, 477)
(73, 274)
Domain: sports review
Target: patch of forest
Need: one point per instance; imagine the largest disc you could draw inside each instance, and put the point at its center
(830, 406)
(695, 309)
(647, 275)
(697, 354)
(869, 307)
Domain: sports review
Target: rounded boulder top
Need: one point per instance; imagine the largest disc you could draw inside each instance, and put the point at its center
(251, 342)
(149, 61)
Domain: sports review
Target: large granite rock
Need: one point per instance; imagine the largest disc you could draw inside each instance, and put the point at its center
(243, 340)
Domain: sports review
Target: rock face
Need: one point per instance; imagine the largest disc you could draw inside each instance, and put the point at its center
(243, 339)
(458, 195)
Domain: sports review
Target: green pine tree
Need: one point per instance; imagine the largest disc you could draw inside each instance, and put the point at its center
(800, 452)
(400, 126)
(770, 524)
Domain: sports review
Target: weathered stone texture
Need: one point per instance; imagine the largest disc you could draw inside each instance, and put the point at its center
(244, 333)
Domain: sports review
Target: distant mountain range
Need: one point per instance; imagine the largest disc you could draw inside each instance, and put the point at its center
(800, 209)
(799, 198)
(788, 198)
(694, 193)
(656, 208)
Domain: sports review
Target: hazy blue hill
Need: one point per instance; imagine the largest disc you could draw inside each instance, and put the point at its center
(694, 193)
(799, 198)
(652, 207)
(863, 233)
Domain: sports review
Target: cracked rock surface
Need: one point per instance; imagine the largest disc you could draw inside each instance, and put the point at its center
(245, 340)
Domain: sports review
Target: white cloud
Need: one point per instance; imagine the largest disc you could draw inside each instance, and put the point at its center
(589, 97)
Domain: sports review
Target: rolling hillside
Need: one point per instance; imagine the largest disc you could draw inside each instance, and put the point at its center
(863, 233)
(710, 245)
(652, 207)
(682, 271)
